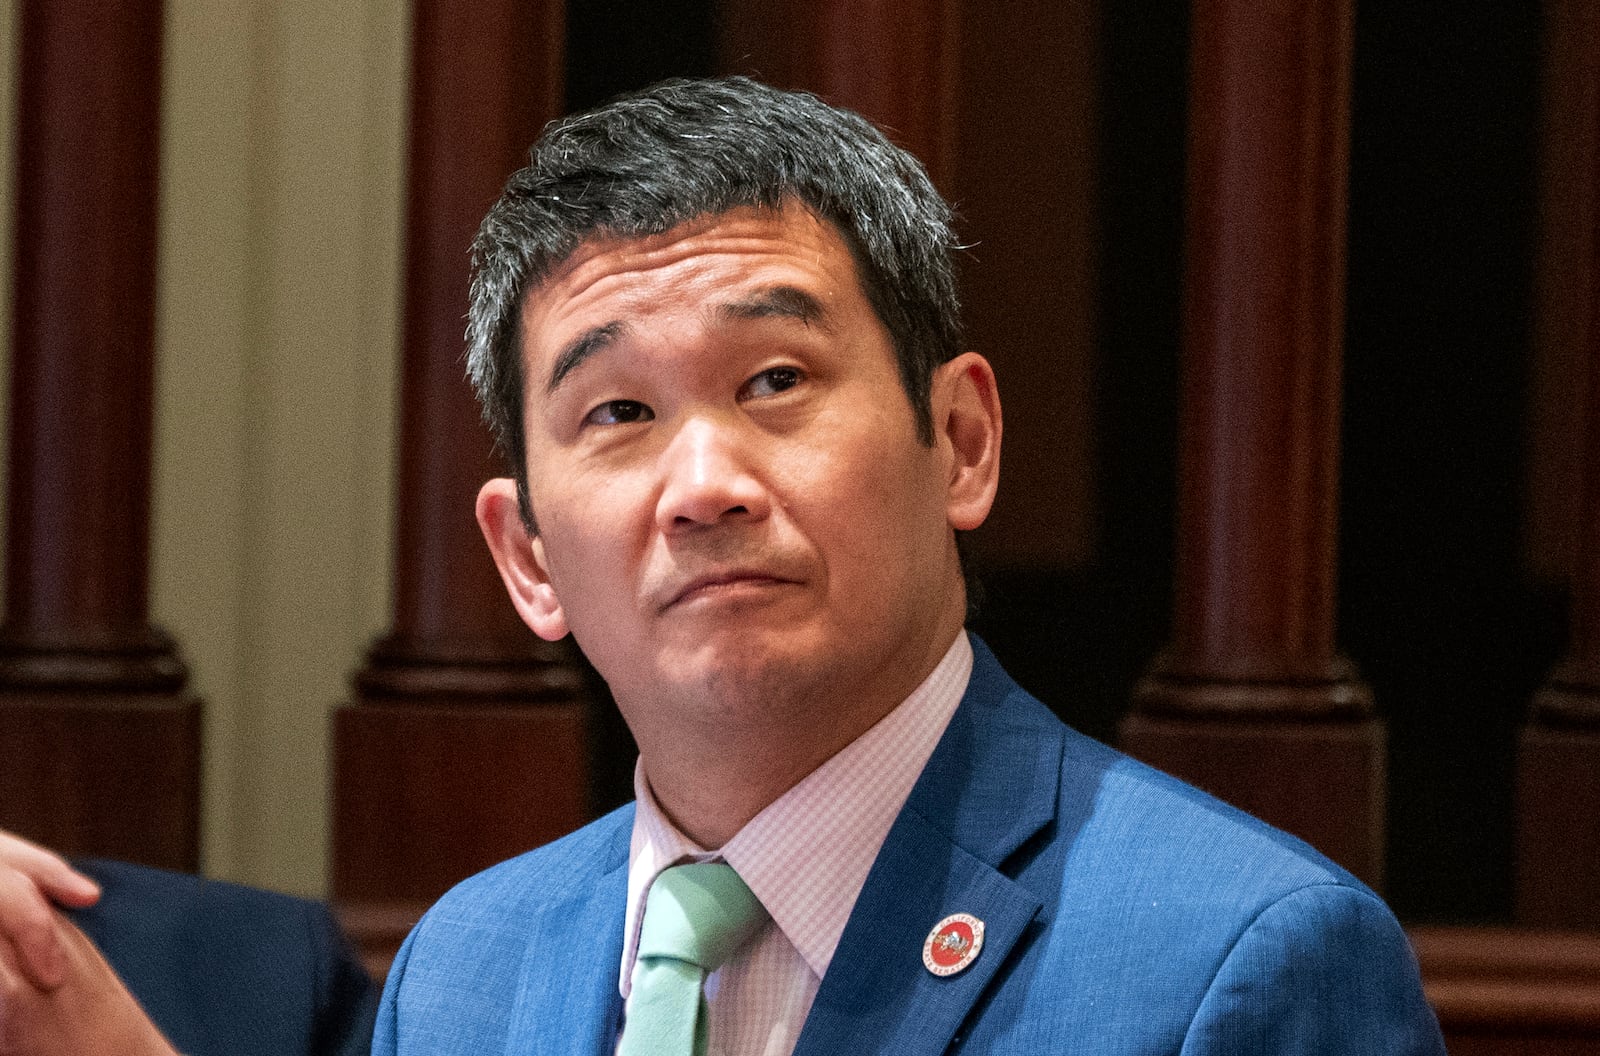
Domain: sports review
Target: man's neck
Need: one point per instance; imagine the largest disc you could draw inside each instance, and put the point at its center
(711, 782)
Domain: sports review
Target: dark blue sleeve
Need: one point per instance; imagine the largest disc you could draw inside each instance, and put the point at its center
(346, 999)
(228, 970)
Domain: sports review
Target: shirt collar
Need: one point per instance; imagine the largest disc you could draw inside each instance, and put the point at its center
(807, 855)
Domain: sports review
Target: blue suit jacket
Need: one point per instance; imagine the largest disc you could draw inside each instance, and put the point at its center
(226, 970)
(1126, 912)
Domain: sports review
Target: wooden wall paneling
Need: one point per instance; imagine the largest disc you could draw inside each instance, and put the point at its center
(1558, 760)
(1521, 991)
(1023, 184)
(467, 739)
(1558, 805)
(1251, 698)
(100, 741)
(1559, 754)
(894, 61)
(1565, 282)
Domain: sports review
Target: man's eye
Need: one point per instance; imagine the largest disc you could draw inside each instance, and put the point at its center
(619, 412)
(771, 382)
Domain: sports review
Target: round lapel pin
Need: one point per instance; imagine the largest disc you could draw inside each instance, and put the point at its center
(953, 944)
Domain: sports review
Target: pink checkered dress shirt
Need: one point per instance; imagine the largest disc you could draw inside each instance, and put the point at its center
(805, 857)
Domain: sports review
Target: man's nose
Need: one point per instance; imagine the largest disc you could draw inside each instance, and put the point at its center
(708, 475)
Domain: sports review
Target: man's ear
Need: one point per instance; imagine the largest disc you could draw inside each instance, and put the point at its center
(520, 558)
(966, 408)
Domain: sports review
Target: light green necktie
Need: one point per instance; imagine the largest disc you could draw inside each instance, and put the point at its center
(696, 917)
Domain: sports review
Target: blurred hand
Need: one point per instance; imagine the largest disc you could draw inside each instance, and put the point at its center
(89, 1013)
(33, 881)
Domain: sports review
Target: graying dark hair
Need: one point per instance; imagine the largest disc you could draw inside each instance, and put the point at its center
(645, 163)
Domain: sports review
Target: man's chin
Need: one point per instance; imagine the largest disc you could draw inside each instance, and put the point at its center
(747, 675)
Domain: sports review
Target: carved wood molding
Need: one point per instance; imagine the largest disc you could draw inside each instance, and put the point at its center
(1512, 984)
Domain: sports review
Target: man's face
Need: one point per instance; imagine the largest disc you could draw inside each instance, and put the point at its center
(736, 517)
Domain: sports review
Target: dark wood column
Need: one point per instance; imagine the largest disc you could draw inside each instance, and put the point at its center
(466, 743)
(100, 745)
(1558, 764)
(1251, 698)
(894, 61)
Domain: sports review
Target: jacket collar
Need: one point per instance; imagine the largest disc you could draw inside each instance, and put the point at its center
(990, 786)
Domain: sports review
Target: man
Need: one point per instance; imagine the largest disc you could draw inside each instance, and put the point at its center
(715, 328)
(152, 963)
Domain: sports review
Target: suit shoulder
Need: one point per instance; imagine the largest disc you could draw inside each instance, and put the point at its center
(1136, 845)
(544, 876)
(1200, 834)
(1115, 816)
(459, 978)
(1138, 869)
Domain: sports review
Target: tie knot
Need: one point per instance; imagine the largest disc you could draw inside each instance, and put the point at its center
(699, 914)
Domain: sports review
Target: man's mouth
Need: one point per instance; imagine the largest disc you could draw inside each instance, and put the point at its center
(728, 583)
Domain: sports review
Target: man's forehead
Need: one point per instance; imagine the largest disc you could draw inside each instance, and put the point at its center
(796, 262)
(799, 221)
(773, 302)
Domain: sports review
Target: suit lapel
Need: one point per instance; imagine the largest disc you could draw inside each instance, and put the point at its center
(877, 996)
(567, 1001)
(990, 785)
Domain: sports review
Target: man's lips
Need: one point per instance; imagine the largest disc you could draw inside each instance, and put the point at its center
(727, 581)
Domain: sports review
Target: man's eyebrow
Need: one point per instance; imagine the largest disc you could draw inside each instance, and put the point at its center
(785, 302)
(579, 349)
